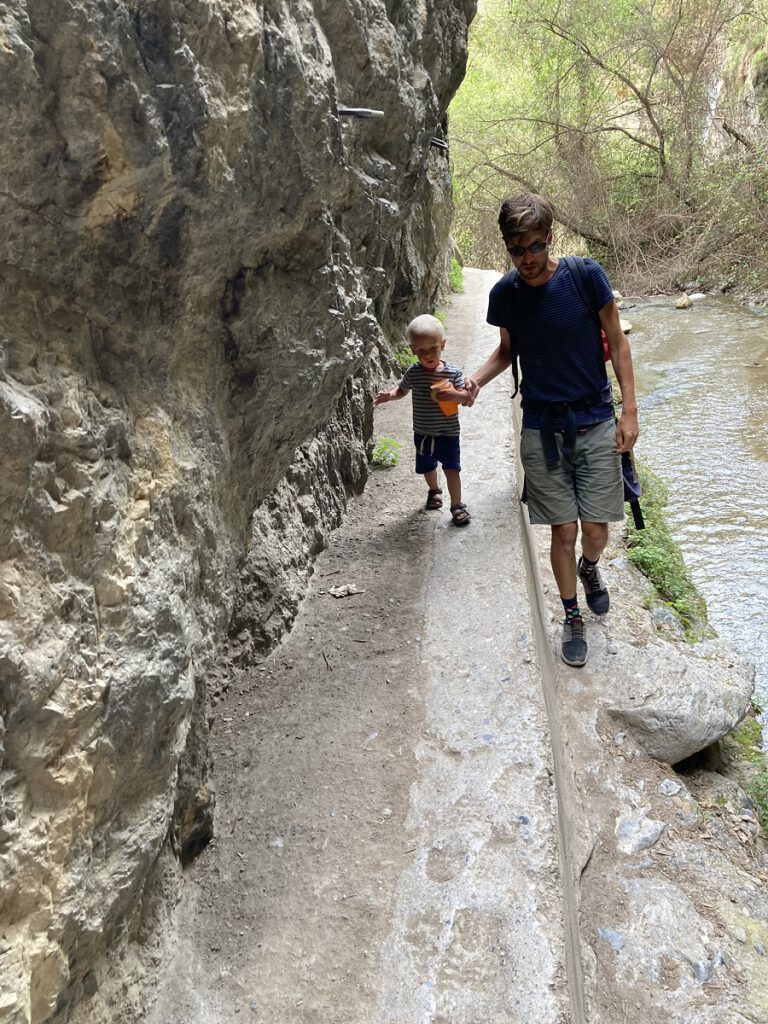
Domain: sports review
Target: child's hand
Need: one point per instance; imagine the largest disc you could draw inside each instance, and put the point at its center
(383, 396)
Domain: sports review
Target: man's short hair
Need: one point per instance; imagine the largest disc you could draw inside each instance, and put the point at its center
(526, 212)
(426, 324)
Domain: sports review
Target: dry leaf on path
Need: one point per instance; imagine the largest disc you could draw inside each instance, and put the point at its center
(345, 590)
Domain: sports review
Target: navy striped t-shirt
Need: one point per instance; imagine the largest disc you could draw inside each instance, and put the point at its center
(557, 339)
(428, 418)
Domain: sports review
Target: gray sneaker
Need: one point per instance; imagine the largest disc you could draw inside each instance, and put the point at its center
(574, 646)
(598, 598)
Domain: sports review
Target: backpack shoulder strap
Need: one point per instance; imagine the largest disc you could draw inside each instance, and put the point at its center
(515, 280)
(585, 286)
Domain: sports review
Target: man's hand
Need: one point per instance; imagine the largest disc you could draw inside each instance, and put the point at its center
(627, 432)
(473, 390)
(497, 362)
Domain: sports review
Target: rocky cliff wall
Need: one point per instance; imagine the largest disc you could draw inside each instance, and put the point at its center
(201, 267)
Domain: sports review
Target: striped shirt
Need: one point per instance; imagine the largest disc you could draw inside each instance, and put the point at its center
(557, 339)
(427, 415)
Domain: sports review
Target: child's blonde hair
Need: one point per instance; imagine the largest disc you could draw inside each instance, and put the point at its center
(426, 324)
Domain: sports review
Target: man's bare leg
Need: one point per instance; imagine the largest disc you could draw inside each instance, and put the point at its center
(562, 555)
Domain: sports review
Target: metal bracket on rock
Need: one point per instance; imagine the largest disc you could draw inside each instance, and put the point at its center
(359, 112)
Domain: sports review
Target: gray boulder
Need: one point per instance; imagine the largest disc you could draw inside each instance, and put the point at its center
(676, 703)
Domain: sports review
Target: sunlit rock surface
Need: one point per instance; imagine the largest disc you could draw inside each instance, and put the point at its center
(201, 265)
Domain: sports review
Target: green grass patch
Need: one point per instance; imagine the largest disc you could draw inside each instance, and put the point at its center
(456, 276)
(748, 735)
(757, 791)
(386, 452)
(656, 554)
(743, 750)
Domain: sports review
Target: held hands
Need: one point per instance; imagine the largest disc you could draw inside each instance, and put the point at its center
(463, 396)
(446, 393)
(472, 390)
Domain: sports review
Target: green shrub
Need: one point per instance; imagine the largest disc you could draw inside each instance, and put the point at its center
(386, 452)
(404, 358)
(456, 276)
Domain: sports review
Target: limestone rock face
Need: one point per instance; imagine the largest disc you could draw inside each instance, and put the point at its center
(201, 266)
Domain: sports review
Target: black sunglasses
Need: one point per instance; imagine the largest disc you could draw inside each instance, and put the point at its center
(520, 250)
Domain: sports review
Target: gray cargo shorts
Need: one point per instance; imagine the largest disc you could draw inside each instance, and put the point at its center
(587, 486)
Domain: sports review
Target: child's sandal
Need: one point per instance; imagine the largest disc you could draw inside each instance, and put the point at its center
(461, 516)
(434, 500)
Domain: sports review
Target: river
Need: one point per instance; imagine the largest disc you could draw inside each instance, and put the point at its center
(702, 385)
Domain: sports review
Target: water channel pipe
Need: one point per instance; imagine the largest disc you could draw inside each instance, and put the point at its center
(566, 838)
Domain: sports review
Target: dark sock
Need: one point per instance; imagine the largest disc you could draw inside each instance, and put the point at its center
(588, 563)
(571, 606)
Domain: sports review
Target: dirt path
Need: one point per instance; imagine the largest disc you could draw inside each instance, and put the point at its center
(386, 848)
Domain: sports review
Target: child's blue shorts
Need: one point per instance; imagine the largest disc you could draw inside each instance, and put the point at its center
(431, 450)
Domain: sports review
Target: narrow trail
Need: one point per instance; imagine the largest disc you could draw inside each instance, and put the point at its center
(389, 845)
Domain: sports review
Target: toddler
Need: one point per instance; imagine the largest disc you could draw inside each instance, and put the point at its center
(436, 432)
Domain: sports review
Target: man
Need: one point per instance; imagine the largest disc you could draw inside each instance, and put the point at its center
(570, 443)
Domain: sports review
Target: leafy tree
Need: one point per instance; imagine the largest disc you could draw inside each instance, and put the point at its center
(615, 109)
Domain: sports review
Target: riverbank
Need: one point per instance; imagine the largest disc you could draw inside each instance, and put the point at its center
(673, 597)
(668, 282)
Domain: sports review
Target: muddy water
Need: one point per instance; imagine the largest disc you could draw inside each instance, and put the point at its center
(702, 382)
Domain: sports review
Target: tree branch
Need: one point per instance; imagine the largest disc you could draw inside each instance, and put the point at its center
(736, 135)
(641, 94)
(563, 218)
